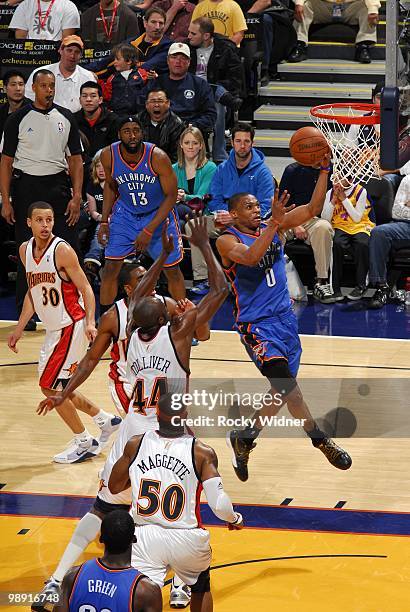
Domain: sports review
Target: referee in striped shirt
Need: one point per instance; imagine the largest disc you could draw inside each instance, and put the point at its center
(40, 142)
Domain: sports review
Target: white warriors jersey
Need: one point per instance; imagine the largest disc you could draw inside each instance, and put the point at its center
(165, 486)
(153, 368)
(118, 365)
(57, 302)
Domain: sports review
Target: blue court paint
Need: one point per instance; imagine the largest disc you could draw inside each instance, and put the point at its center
(262, 517)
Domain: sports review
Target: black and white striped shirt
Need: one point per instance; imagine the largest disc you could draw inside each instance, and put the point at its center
(40, 140)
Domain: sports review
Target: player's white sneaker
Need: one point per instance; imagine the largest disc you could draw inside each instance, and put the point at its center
(107, 430)
(48, 597)
(78, 451)
(180, 596)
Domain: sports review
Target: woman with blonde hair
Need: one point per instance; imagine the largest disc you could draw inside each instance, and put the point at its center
(194, 174)
(193, 170)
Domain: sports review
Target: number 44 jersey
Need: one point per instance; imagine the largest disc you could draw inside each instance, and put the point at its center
(56, 301)
(165, 487)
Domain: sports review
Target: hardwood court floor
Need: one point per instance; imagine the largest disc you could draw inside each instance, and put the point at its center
(281, 469)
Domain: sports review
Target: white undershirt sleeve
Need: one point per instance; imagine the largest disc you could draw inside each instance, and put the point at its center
(218, 500)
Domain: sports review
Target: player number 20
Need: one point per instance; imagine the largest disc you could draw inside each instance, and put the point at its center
(172, 501)
(50, 296)
(270, 277)
(142, 198)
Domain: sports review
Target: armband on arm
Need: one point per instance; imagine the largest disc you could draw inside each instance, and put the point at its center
(218, 500)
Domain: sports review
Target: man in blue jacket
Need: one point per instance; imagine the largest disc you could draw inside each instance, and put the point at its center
(244, 171)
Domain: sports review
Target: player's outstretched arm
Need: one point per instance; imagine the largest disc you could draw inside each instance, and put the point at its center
(161, 164)
(304, 213)
(148, 282)
(148, 597)
(66, 588)
(218, 287)
(109, 196)
(119, 478)
(206, 462)
(107, 330)
(67, 260)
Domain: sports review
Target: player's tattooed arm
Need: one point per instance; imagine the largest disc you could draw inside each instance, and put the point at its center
(161, 164)
(109, 197)
(119, 478)
(148, 597)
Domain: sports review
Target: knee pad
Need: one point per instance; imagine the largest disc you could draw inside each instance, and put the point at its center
(279, 376)
(203, 584)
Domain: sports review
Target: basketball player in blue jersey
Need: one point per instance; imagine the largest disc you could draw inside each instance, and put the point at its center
(110, 583)
(252, 255)
(140, 192)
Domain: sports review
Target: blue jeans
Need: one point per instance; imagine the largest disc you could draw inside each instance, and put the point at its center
(96, 251)
(381, 240)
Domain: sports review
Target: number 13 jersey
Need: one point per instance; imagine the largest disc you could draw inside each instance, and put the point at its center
(57, 302)
(139, 187)
(165, 487)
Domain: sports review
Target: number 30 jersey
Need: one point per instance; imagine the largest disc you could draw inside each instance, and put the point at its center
(261, 291)
(153, 368)
(139, 187)
(165, 487)
(57, 302)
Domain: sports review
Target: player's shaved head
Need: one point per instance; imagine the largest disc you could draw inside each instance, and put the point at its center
(172, 413)
(149, 313)
(39, 206)
(117, 532)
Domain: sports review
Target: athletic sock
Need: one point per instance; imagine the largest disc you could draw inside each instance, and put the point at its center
(85, 532)
(316, 435)
(104, 308)
(83, 438)
(101, 418)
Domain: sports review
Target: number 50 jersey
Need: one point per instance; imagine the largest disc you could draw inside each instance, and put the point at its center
(165, 487)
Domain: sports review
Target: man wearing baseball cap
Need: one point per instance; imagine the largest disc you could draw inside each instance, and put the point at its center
(191, 97)
(69, 75)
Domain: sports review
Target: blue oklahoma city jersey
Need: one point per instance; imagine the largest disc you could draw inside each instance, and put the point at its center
(261, 291)
(138, 186)
(97, 588)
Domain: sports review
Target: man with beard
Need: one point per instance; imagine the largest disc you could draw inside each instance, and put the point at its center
(141, 182)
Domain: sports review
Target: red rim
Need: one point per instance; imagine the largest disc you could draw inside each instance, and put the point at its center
(367, 119)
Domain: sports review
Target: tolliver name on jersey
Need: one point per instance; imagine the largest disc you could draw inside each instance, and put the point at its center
(153, 362)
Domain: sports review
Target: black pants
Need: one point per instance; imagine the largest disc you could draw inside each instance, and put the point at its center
(53, 189)
(358, 244)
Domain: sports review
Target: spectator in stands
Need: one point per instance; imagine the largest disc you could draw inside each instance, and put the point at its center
(124, 91)
(349, 210)
(383, 238)
(179, 14)
(215, 59)
(96, 124)
(139, 6)
(152, 47)
(258, 7)
(45, 19)
(191, 97)
(13, 85)
(362, 12)
(33, 168)
(160, 125)
(69, 76)
(194, 174)
(226, 15)
(300, 181)
(94, 257)
(244, 171)
(109, 21)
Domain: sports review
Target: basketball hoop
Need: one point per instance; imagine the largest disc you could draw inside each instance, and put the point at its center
(353, 134)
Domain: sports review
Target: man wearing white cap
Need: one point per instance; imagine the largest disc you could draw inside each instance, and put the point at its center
(69, 75)
(191, 97)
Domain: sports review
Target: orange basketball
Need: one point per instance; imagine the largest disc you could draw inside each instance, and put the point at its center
(308, 146)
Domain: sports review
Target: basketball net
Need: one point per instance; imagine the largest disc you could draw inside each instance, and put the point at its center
(352, 131)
